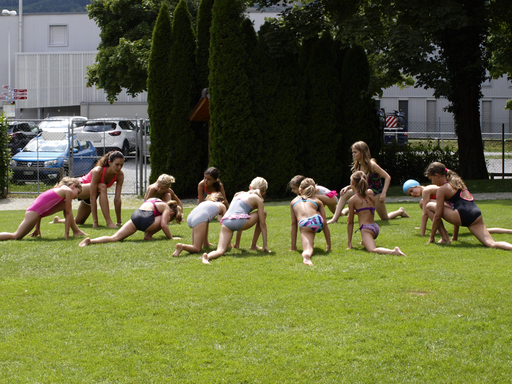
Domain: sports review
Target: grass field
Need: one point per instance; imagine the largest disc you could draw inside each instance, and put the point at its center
(131, 313)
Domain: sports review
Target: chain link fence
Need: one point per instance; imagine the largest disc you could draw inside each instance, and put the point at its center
(44, 151)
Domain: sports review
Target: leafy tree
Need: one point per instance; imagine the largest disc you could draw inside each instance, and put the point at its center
(234, 136)
(204, 22)
(183, 158)
(126, 31)
(159, 93)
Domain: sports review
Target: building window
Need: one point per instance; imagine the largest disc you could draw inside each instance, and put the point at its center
(58, 36)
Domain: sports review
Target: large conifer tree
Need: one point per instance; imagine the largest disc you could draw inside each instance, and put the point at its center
(159, 92)
(183, 158)
(204, 22)
(234, 136)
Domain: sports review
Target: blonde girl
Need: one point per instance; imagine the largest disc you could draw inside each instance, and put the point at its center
(199, 219)
(362, 204)
(59, 198)
(362, 161)
(152, 216)
(308, 214)
(108, 170)
(241, 216)
(325, 195)
(161, 189)
(465, 212)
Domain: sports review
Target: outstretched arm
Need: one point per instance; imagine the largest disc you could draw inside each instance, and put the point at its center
(166, 217)
(438, 216)
(327, 232)
(117, 197)
(293, 230)
(387, 180)
(350, 223)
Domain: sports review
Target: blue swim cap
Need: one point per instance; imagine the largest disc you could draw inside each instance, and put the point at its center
(409, 184)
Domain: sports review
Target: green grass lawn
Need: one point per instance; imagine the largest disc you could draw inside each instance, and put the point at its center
(129, 312)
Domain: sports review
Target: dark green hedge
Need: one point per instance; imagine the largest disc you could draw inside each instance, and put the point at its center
(4, 155)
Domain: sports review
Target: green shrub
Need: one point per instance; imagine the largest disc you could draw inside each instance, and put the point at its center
(410, 161)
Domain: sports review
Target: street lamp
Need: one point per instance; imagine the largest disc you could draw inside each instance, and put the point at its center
(6, 12)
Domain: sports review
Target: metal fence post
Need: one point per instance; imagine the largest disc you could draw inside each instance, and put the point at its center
(503, 151)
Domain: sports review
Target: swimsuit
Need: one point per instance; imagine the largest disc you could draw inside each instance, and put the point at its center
(45, 203)
(203, 213)
(374, 227)
(314, 222)
(144, 219)
(237, 214)
(375, 183)
(88, 178)
(467, 208)
(325, 191)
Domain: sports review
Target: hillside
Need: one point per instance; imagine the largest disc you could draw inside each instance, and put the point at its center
(38, 6)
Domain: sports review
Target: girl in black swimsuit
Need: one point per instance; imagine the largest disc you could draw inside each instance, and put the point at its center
(465, 212)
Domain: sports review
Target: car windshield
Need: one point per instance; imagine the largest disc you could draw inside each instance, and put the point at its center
(46, 146)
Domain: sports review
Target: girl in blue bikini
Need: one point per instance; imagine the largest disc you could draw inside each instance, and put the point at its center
(240, 216)
(465, 212)
(308, 214)
(362, 204)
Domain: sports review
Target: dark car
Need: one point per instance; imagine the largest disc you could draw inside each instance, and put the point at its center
(20, 133)
(48, 160)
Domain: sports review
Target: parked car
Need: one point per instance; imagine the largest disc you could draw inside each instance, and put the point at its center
(48, 160)
(20, 133)
(113, 134)
(62, 123)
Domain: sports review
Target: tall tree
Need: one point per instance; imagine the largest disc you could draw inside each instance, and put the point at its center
(234, 136)
(159, 93)
(183, 157)
(204, 23)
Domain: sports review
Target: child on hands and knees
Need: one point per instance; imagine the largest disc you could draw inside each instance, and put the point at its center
(56, 199)
(108, 170)
(374, 174)
(240, 217)
(465, 212)
(308, 214)
(325, 195)
(199, 219)
(152, 216)
(362, 203)
(210, 184)
(161, 189)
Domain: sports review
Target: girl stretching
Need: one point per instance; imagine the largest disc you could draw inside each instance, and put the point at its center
(59, 198)
(153, 215)
(161, 189)
(239, 218)
(106, 172)
(362, 204)
(465, 212)
(363, 162)
(210, 184)
(199, 219)
(308, 214)
(325, 195)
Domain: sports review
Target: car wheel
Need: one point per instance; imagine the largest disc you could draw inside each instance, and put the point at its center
(126, 149)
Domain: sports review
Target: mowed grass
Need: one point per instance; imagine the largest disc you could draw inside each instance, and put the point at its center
(129, 312)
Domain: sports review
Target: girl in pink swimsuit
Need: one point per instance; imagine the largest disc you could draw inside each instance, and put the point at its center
(95, 184)
(363, 204)
(56, 199)
(210, 184)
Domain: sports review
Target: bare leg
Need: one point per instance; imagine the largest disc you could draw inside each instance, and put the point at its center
(369, 244)
(225, 237)
(257, 232)
(83, 213)
(445, 238)
(307, 238)
(198, 234)
(125, 231)
(206, 243)
(105, 209)
(482, 234)
(499, 230)
(380, 207)
(29, 222)
(341, 204)
(329, 202)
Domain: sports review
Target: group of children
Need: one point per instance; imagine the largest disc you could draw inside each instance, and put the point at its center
(447, 198)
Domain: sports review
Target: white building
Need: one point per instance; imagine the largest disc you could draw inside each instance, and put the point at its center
(49, 54)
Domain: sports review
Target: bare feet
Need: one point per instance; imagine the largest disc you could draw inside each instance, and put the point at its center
(205, 259)
(398, 252)
(79, 233)
(148, 236)
(179, 248)
(112, 225)
(307, 260)
(85, 242)
(55, 220)
(402, 212)
(332, 221)
(255, 248)
(442, 241)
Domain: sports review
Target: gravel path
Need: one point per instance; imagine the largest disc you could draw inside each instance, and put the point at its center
(132, 202)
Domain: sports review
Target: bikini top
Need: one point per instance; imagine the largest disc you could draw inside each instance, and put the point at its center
(88, 178)
(303, 201)
(371, 209)
(156, 212)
